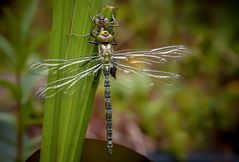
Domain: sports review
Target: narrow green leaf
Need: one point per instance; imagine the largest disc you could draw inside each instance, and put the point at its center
(8, 118)
(28, 16)
(12, 88)
(11, 23)
(7, 49)
(66, 116)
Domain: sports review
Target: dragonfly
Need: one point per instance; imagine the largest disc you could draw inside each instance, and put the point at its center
(143, 63)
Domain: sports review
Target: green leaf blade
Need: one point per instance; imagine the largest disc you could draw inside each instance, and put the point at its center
(66, 116)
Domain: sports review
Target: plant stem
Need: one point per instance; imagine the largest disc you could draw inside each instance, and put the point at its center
(19, 149)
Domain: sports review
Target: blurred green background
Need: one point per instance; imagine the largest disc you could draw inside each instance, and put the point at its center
(196, 118)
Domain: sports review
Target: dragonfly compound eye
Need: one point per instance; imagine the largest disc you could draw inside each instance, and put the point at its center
(106, 20)
(97, 21)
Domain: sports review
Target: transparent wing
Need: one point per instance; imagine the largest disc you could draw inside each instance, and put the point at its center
(152, 56)
(68, 84)
(53, 66)
(144, 64)
(149, 77)
(72, 71)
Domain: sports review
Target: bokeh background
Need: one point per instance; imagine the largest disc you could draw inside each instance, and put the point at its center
(193, 120)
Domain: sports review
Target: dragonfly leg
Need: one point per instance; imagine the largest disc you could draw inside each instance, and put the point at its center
(113, 72)
(79, 35)
(114, 22)
(94, 42)
(114, 42)
(91, 34)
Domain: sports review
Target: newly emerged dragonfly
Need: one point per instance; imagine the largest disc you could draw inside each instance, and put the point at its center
(143, 63)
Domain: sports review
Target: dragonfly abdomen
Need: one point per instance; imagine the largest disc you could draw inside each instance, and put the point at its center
(108, 110)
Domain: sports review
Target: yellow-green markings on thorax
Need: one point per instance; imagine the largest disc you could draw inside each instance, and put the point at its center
(106, 53)
(104, 37)
(105, 48)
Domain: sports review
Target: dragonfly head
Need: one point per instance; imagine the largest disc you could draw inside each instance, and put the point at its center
(104, 37)
(102, 22)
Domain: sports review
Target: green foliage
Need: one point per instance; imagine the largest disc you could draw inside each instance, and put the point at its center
(17, 45)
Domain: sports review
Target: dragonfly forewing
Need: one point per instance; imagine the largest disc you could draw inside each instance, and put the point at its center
(153, 56)
(53, 66)
(146, 64)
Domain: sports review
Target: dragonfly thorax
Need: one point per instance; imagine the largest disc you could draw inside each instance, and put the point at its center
(104, 37)
(106, 51)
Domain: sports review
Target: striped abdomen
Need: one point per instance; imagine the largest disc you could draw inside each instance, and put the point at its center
(108, 110)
